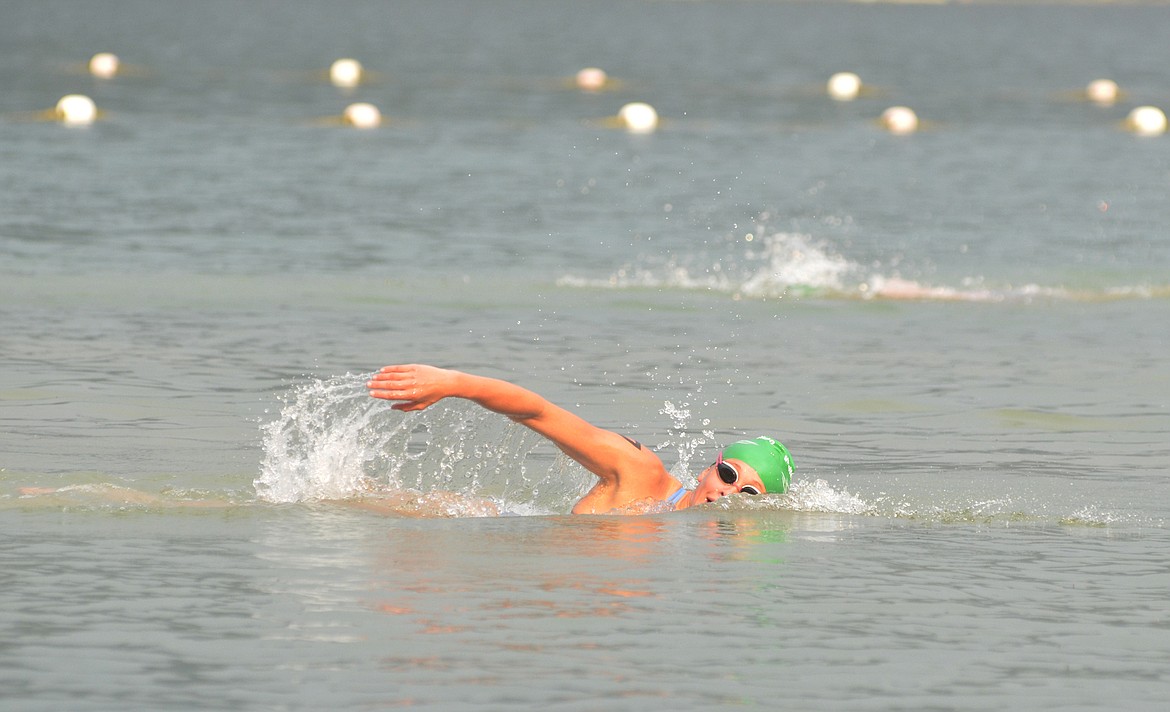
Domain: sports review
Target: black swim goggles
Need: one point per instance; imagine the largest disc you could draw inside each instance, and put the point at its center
(730, 475)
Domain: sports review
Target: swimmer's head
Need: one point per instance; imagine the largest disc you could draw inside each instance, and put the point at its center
(769, 458)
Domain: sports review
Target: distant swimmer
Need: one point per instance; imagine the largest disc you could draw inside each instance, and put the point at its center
(629, 475)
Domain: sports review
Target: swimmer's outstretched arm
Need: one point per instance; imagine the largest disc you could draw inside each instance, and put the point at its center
(415, 387)
(626, 472)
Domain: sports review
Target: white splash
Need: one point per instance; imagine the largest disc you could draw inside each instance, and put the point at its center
(331, 441)
(820, 496)
(793, 261)
(685, 441)
(772, 266)
(315, 449)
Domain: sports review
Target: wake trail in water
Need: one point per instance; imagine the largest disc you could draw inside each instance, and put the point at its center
(789, 265)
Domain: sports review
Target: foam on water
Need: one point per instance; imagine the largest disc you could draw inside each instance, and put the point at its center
(820, 496)
(1004, 508)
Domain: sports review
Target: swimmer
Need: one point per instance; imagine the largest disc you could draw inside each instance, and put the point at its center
(628, 473)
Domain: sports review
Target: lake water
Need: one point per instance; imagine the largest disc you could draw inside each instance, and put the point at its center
(960, 334)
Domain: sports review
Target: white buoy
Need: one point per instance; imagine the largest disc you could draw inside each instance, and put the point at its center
(1146, 121)
(1102, 91)
(899, 120)
(638, 117)
(591, 79)
(346, 73)
(844, 86)
(362, 115)
(104, 65)
(76, 110)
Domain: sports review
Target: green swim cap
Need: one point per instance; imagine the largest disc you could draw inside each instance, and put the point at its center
(769, 458)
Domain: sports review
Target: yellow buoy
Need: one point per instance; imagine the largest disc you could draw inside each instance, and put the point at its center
(844, 86)
(346, 73)
(638, 117)
(1102, 91)
(591, 79)
(76, 110)
(1146, 121)
(899, 120)
(104, 65)
(362, 115)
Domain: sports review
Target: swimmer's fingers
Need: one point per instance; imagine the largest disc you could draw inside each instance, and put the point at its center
(407, 399)
(416, 387)
(397, 370)
(396, 392)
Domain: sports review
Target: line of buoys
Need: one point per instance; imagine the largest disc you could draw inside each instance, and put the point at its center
(104, 65)
(636, 117)
(76, 110)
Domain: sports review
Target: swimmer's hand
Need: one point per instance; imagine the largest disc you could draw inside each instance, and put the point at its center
(414, 386)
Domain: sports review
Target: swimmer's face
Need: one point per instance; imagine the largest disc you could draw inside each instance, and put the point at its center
(727, 477)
